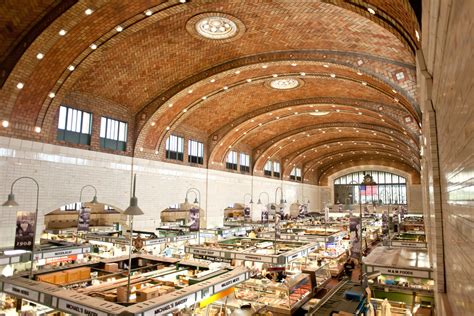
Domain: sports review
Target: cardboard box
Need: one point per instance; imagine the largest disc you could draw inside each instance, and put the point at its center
(147, 294)
(110, 297)
(48, 278)
(111, 267)
(122, 294)
(60, 278)
(85, 273)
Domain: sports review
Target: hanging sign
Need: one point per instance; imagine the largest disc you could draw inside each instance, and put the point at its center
(194, 220)
(404, 272)
(84, 219)
(229, 283)
(21, 291)
(169, 307)
(25, 230)
(77, 309)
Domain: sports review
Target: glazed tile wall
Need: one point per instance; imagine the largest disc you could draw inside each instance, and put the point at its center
(448, 47)
(62, 171)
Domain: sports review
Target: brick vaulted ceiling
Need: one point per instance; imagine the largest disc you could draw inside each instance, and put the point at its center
(161, 77)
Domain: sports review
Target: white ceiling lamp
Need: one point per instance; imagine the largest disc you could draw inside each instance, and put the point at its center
(40, 56)
(93, 46)
(62, 32)
(319, 113)
(20, 85)
(148, 12)
(38, 129)
(71, 68)
(5, 123)
(51, 95)
(371, 10)
(119, 28)
(88, 11)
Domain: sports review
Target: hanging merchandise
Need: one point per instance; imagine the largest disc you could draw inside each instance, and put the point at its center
(25, 230)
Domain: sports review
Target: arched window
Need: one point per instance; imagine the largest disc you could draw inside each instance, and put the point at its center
(389, 188)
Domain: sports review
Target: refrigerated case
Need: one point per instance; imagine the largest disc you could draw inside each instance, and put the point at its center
(280, 298)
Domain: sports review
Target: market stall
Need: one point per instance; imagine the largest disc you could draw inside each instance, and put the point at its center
(405, 275)
(411, 240)
(184, 215)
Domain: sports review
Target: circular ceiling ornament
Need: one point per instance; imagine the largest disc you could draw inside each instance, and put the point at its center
(284, 83)
(215, 26)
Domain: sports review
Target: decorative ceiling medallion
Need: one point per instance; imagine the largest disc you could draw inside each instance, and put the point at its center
(284, 83)
(215, 26)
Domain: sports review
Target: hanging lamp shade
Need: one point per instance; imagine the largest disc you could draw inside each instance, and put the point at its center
(10, 202)
(133, 208)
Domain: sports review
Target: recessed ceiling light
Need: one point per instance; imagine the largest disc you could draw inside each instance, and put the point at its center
(275, 75)
(182, 1)
(294, 64)
(62, 32)
(360, 113)
(153, 124)
(71, 68)
(119, 28)
(20, 85)
(417, 35)
(252, 120)
(51, 95)
(396, 100)
(5, 123)
(148, 12)
(277, 117)
(296, 113)
(237, 72)
(359, 73)
(204, 97)
(93, 46)
(190, 91)
(39, 56)
(88, 11)
(185, 110)
(38, 129)
(338, 110)
(226, 87)
(213, 80)
(170, 105)
(333, 75)
(371, 10)
(259, 124)
(141, 148)
(156, 153)
(264, 66)
(249, 80)
(326, 66)
(303, 73)
(364, 83)
(394, 91)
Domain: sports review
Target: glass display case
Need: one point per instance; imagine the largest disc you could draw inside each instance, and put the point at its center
(280, 298)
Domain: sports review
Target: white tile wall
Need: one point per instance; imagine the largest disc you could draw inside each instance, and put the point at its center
(62, 171)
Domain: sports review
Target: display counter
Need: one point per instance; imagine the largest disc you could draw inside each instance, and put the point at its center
(320, 273)
(281, 298)
(409, 240)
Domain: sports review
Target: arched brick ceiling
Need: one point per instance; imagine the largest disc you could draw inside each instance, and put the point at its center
(346, 58)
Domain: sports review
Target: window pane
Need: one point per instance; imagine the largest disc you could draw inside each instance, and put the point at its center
(62, 117)
(276, 166)
(103, 124)
(86, 123)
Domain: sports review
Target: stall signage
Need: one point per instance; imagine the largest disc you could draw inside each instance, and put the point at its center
(214, 259)
(155, 241)
(205, 252)
(293, 257)
(62, 253)
(78, 309)
(404, 272)
(185, 237)
(167, 308)
(409, 244)
(229, 283)
(21, 291)
(253, 258)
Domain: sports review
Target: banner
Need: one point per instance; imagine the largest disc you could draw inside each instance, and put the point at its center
(84, 219)
(25, 230)
(354, 231)
(194, 220)
(247, 213)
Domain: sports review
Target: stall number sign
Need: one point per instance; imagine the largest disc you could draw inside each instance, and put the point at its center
(214, 259)
(61, 253)
(409, 244)
(156, 241)
(404, 272)
(21, 291)
(168, 308)
(253, 258)
(79, 309)
(206, 252)
(185, 237)
(229, 283)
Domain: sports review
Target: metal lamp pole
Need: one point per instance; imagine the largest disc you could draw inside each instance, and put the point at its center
(131, 211)
(11, 202)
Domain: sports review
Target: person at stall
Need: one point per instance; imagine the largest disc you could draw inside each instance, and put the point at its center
(252, 234)
(167, 251)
